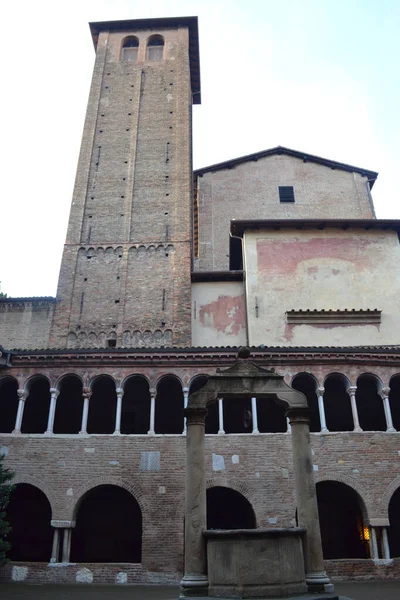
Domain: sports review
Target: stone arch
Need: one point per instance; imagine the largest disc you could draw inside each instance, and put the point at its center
(368, 508)
(102, 405)
(241, 488)
(31, 379)
(387, 496)
(308, 384)
(109, 526)
(30, 513)
(134, 489)
(41, 485)
(63, 376)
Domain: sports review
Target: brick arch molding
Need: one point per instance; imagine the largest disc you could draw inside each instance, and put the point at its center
(352, 483)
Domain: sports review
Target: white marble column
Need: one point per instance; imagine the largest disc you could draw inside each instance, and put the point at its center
(152, 411)
(385, 544)
(185, 403)
(321, 409)
(384, 394)
(56, 546)
(118, 411)
(374, 544)
(22, 395)
(86, 393)
(52, 410)
(254, 415)
(66, 545)
(221, 430)
(352, 393)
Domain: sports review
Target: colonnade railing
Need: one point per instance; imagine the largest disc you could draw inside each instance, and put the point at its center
(87, 392)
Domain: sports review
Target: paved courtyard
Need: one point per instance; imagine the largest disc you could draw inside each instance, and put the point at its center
(372, 590)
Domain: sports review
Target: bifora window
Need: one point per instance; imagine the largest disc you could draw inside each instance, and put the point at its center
(155, 48)
(130, 48)
(286, 193)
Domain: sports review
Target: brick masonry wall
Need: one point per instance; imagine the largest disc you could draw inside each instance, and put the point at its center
(250, 191)
(133, 192)
(260, 467)
(25, 324)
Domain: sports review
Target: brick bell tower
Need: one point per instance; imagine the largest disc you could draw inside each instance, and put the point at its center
(125, 271)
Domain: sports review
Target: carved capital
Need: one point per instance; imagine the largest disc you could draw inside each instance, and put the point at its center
(54, 392)
(298, 415)
(352, 390)
(119, 391)
(195, 416)
(22, 394)
(86, 393)
(320, 390)
(384, 393)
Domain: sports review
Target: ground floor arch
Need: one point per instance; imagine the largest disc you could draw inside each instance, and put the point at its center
(108, 527)
(29, 515)
(229, 509)
(344, 530)
(394, 521)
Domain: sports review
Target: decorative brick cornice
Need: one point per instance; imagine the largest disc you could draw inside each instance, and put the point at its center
(386, 355)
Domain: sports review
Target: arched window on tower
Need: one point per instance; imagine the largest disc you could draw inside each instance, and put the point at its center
(155, 48)
(130, 49)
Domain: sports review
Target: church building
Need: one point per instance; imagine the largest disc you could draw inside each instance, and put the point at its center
(166, 272)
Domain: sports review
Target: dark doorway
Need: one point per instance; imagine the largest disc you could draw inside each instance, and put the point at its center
(228, 509)
(135, 417)
(108, 527)
(271, 416)
(102, 406)
(169, 406)
(37, 404)
(8, 404)
(341, 521)
(69, 406)
(29, 515)
(306, 383)
(337, 404)
(371, 414)
(394, 520)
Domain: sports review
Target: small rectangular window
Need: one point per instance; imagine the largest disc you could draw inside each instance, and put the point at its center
(155, 53)
(286, 193)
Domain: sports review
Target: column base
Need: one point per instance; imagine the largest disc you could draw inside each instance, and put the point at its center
(391, 430)
(324, 430)
(193, 586)
(319, 582)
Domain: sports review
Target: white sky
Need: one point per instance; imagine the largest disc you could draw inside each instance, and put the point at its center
(321, 76)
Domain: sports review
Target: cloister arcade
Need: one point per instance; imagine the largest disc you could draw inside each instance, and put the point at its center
(135, 408)
(102, 535)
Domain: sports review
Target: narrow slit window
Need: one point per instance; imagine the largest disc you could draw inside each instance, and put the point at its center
(286, 193)
(155, 48)
(130, 48)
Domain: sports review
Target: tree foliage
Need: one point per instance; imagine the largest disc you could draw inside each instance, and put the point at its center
(6, 488)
